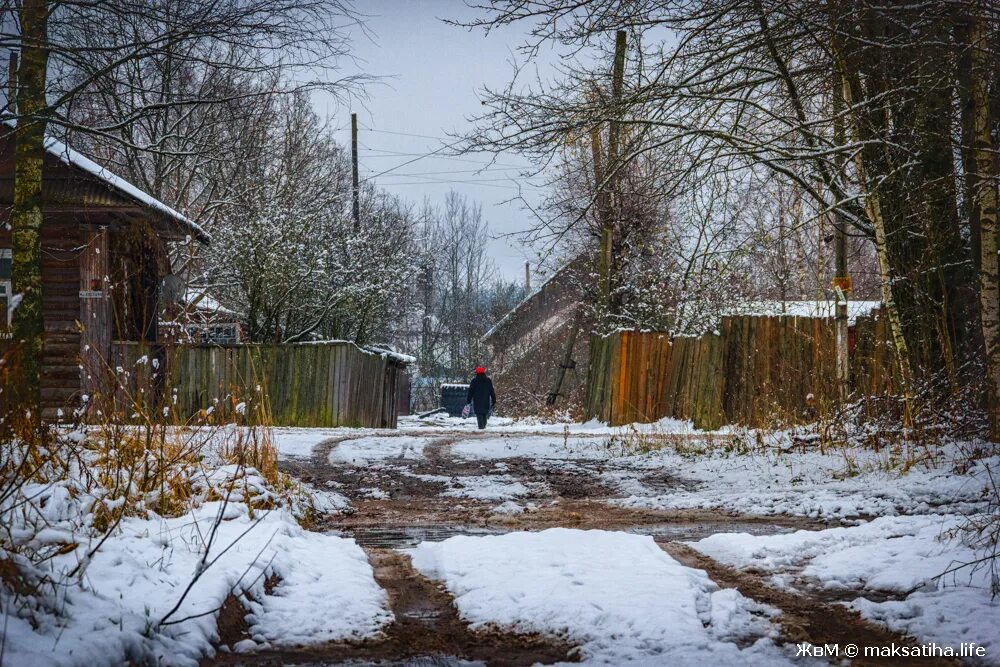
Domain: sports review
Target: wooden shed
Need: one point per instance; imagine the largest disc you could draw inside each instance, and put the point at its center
(527, 345)
(104, 256)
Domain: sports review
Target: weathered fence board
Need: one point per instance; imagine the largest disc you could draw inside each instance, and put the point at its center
(755, 371)
(321, 384)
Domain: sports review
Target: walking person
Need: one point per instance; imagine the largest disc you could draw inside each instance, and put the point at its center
(482, 396)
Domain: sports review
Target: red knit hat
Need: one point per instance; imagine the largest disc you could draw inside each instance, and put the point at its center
(480, 370)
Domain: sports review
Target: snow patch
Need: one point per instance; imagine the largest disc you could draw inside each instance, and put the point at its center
(903, 557)
(364, 451)
(326, 591)
(618, 595)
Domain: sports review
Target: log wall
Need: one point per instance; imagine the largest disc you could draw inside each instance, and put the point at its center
(755, 371)
(60, 377)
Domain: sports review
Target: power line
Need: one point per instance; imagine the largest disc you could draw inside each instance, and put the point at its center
(484, 184)
(459, 171)
(387, 153)
(408, 134)
(470, 180)
(419, 157)
(423, 156)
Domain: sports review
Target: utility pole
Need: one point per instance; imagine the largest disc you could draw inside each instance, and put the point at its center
(12, 84)
(607, 213)
(527, 278)
(356, 210)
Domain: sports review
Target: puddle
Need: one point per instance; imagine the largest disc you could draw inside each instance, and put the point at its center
(410, 536)
(422, 661)
(687, 532)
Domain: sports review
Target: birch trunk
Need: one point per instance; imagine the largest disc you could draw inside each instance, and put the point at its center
(873, 209)
(985, 204)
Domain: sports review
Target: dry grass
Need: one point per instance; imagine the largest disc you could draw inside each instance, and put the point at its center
(127, 454)
(634, 441)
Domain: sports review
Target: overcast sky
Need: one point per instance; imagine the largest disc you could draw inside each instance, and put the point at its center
(433, 74)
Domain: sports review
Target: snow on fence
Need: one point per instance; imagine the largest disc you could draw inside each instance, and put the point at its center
(753, 371)
(309, 384)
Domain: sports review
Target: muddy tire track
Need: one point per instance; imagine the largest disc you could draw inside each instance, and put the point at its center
(427, 621)
(438, 451)
(426, 625)
(803, 618)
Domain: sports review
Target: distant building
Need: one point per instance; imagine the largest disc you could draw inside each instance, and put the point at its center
(199, 319)
(527, 344)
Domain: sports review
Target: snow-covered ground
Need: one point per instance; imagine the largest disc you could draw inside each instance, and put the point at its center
(618, 595)
(900, 561)
(893, 512)
(364, 451)
(124, 608)
(484, 487)
(298, 442)
(818, 485)
(534, 447)
(892, 523)
(838, 484)
(536, 425)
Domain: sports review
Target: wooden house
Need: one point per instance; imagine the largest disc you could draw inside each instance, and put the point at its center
(197, 318)
(528, 343)
(104, 257)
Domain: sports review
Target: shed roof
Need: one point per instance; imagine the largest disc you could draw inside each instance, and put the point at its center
(532, 296)
(176, 222)
(76, 159)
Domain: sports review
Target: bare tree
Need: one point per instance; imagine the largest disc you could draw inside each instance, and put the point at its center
(70, 51)
(747, 85)
(461, 295)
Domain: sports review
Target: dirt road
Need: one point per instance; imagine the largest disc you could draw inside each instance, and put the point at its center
(407, 488)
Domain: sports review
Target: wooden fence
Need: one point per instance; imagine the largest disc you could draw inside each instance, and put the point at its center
(309, 384)
(755, 371)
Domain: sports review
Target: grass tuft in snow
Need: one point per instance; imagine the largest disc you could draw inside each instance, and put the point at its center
(173, 506)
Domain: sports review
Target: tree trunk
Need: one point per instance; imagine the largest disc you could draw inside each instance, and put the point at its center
(26, 213)
(874, 207)
(985, 204)
(610, 202)
(841, 280)
(873, 210)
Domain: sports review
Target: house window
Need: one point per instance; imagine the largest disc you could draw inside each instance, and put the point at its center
(222, 334)
(6, 291)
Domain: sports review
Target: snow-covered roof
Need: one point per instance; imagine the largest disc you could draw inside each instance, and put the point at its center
(203, 301)
(535, 292)
(804, 308)
(74, 158)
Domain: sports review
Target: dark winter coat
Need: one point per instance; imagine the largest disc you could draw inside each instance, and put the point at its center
(481, 394)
